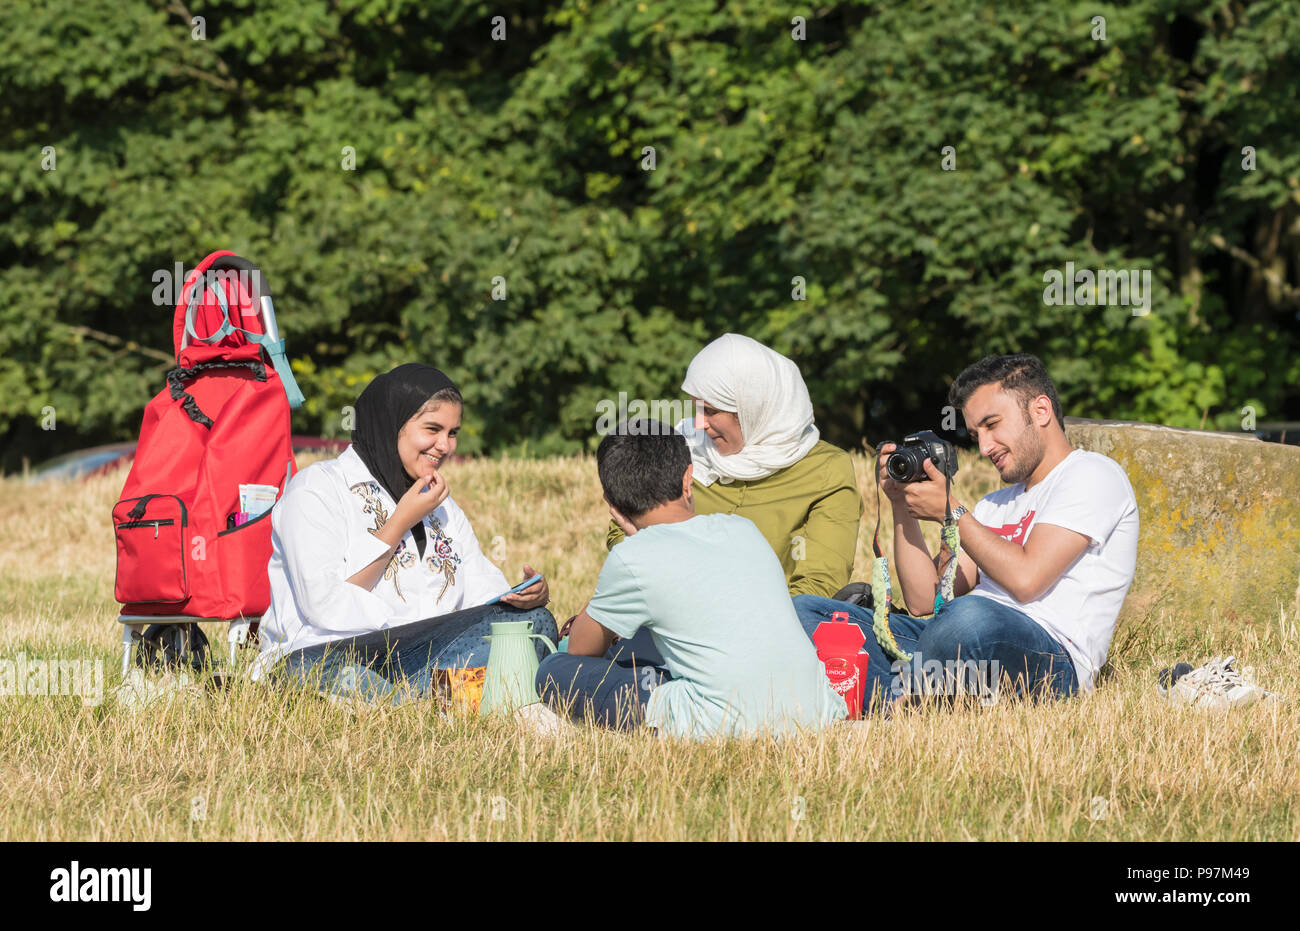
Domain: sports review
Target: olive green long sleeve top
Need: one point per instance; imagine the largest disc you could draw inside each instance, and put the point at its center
(808, 512)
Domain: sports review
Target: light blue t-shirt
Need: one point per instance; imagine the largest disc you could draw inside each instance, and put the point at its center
(714, 598)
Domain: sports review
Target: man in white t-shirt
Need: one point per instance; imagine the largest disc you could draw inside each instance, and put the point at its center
(1044, 565)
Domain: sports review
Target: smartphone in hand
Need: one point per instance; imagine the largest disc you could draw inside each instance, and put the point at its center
(526, 583)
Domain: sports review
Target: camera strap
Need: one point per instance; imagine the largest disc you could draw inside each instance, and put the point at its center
(952, 540)
(882, 589)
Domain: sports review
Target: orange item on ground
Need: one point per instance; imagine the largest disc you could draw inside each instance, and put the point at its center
(467, 687)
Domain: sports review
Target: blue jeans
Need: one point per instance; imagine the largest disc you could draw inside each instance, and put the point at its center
(611, 690)
(401, 663)
(971, 645)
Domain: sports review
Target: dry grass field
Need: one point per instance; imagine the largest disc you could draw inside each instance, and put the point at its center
(251, 763)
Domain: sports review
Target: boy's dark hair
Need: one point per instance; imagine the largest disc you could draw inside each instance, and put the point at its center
(1022, 374)
(641, 466)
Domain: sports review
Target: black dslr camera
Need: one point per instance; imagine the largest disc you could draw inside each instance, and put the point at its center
(907, 462)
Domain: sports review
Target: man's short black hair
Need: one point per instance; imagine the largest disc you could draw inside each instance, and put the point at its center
(1022, 374)
(641, 466)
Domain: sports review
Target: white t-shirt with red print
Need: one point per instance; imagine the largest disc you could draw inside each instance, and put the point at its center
(1090, 494)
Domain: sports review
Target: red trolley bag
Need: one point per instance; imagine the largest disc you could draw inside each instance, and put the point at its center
(221, 422)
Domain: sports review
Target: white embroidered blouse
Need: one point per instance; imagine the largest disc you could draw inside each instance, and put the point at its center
(322, 533)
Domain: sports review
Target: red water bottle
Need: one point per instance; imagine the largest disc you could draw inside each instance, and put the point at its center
(839, 643)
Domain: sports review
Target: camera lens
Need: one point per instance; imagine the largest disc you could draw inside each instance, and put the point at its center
(904, 465)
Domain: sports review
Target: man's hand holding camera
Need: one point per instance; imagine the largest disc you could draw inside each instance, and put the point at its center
(923, 500)
(926, 500)
(913, 476)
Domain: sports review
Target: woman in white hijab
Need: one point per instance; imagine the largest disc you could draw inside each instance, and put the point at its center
(758, 453)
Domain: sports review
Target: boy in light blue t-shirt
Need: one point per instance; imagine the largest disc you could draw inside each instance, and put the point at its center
(711, 594)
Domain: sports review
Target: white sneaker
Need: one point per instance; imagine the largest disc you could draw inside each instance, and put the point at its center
(1216, 685)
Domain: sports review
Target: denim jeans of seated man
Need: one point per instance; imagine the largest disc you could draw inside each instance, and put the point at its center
(399, 664)
(971, 645)
(638, 650)
(611, 690)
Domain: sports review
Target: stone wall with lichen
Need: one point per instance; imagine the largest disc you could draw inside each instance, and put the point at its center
(1220, 517)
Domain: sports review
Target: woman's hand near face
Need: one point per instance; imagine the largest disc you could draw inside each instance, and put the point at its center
(412, 509)
(417, 504)
(535, 596)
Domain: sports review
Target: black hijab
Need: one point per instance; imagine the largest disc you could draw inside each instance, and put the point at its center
(384, 407)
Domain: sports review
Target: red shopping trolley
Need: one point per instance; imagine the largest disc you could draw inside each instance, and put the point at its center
(216, 434)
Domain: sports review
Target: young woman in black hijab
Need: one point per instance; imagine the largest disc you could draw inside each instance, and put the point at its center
(377, 579)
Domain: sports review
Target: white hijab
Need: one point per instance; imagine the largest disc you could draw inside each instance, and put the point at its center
(765, 390)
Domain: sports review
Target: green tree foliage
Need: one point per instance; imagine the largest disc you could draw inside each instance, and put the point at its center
(820, 158)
